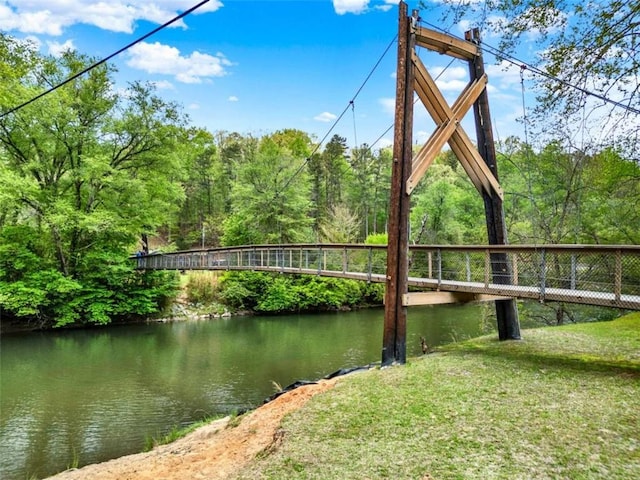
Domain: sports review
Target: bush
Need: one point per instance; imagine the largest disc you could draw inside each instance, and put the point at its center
(202, 287)
(104, 286)
(272, 293)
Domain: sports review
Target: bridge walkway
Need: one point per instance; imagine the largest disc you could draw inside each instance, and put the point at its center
(586, 274)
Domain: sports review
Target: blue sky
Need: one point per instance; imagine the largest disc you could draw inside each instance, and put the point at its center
(258, 66)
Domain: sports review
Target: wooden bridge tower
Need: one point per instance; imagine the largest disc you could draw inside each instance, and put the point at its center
(479, 163)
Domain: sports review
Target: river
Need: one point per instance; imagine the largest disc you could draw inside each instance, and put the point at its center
(69, 398)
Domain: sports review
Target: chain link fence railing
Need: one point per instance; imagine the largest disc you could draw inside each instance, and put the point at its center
(587, 274)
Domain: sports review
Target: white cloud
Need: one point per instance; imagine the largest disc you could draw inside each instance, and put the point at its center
(505, 74)
(421, 136)
(194, 106)
(167, 60)
(57, 49)
(388, 5)
(388, 105)
(350, 6)
(384, 142)
(361, 6)
(233, 98)
(464, 25)
(51, 17)
(163, 85)
(450, 79)
(325, 117)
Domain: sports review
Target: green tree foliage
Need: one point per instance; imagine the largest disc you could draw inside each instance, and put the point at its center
(235, 150)
(611, 214)
(270, 195)
(327, 170)
(273, 293)
(589, 45)
(82, 172)
(447, 209)
(206, 190)
(341, 226)
(556, 196)
(370, 173)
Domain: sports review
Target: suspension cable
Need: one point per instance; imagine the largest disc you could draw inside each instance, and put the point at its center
(355, 133)
(518, 63)
(104, 60)
(524, 108)
(337, 120)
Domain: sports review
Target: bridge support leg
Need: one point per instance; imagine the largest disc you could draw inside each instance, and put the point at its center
(506, 310)
(395, 313)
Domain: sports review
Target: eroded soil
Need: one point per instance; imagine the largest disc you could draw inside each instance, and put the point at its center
(215, 451)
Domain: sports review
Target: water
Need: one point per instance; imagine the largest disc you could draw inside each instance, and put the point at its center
(77, 397)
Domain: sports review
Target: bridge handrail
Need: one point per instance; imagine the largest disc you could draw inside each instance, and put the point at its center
(594, 274)
(356, 246)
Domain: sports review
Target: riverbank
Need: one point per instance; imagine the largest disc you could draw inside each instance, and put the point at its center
(215, 451)
(562, 403)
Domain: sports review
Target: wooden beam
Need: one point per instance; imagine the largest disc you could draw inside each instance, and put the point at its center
(446, 44)
(506, 310)
(395, 314)
(456, 146)
(444, 131)
(439, 298)
(460, 143)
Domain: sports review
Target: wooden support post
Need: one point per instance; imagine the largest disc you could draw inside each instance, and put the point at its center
(617, 286)
(506, 310)
(395, 314)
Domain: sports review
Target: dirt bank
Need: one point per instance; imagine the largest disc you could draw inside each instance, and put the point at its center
(215, 451)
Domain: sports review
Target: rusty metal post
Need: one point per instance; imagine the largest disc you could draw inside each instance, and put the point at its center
(506, 310)
(395, 313)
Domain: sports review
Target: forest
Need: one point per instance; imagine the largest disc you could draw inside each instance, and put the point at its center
(89, 176)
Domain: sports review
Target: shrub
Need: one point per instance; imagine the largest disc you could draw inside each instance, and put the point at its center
(266, 292)
(202, 287)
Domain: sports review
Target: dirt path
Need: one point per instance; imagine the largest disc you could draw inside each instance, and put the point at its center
(212, 452)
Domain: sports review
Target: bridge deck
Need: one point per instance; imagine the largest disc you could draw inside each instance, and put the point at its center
(592, 275)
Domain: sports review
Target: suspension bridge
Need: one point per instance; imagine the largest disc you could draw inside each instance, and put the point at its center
(606, 276)
(420, 274)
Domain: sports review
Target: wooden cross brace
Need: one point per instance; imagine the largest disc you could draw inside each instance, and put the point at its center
(449, 130)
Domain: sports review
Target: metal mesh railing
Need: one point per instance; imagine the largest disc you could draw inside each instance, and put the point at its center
(596, 275)
(589, 274)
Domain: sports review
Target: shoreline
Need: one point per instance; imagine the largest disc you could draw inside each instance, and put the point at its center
(239, 443)
(213, 451)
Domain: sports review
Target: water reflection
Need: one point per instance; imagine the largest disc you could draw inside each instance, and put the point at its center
(90, 395)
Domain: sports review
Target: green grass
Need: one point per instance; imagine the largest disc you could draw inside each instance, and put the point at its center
(564, 403)
(175, 433)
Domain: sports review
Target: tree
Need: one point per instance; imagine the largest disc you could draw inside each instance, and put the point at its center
(610, 213)
(206, 187)
(584, 48)
(562, 196)
(327, 170)
(270, 198)
(446, 208)
(83, 173)
(381, 173)
(370, 184)
(340, 226)
(554, 183)
(234, 151)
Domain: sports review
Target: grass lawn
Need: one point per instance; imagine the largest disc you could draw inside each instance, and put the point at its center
(564, 403)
